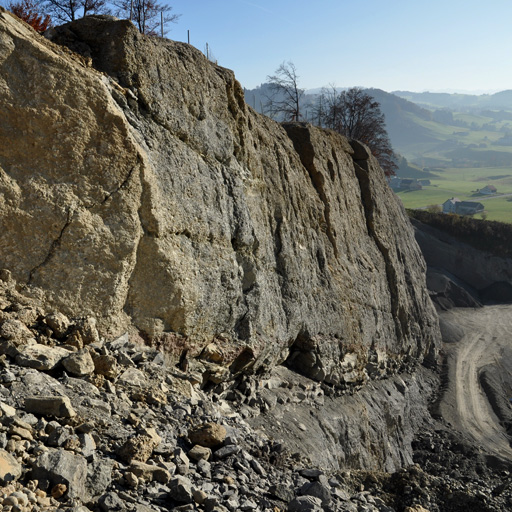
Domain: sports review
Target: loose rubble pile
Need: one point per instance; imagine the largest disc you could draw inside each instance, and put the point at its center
(88, 424)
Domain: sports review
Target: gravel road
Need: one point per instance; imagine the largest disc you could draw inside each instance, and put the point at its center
(487, 342)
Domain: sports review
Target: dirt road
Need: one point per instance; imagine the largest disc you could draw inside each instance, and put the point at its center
(487, 340)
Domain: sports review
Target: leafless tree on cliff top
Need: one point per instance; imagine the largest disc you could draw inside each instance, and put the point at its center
(146, 15)
(355, 114)
(70, 10)
(284, 104)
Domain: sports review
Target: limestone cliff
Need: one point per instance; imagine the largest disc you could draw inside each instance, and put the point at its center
(137, 186)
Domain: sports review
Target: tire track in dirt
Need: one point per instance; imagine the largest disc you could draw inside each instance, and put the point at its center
(487, 331)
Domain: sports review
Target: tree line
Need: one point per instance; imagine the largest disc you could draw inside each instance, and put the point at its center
(149, 16)
(352, 112)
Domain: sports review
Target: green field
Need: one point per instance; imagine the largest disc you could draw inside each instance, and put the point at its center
(463, 183)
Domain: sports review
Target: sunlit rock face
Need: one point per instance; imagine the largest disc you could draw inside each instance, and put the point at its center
(137, 186)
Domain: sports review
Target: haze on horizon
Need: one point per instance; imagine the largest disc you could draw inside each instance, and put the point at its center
(449, 46)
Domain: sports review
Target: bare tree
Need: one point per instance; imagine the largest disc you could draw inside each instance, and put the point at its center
(284, 103)
(355, 114)
(70, 10)
(147, 15)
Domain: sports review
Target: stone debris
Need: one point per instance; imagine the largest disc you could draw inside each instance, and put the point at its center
(132, 433)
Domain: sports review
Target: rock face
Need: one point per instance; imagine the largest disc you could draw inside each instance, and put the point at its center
(143, 190)
(460, 275)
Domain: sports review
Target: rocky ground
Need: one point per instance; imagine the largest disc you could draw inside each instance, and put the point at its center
(89, 424)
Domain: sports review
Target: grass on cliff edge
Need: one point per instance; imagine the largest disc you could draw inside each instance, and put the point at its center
(489, 236)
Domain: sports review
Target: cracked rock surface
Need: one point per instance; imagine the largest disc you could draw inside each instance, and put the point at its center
(139, 188)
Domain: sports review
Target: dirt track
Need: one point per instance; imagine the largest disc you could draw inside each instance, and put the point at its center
(488, 336)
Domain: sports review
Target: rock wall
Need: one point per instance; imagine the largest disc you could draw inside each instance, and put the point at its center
(137, 186)
(468, 271)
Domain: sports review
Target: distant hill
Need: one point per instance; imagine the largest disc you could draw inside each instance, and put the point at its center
(499, 100)
(433, 129)
(401, 119)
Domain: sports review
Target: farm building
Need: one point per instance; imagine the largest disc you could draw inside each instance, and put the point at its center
(450, 206)
(488, 190)
(455, 205)
(469, 208)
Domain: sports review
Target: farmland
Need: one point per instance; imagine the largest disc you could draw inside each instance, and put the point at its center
(463, 184)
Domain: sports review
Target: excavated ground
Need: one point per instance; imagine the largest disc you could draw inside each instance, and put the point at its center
(476, 401)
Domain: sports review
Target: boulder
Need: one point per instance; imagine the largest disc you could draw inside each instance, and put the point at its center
(10, 468)
(41, 357)
(58, 466)
(58, 406)
(181, 490)
(150, 472)
(209, 435)
(79, 363)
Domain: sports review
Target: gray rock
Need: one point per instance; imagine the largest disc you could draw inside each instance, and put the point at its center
(88, 445)
(181, 490)
(282, 491)
(111, 501)
(59, 406)
(226, 451)
(318, 490)
(58, 466)
(133, 377)
(99, 476)
(40, 357)
(305, 504)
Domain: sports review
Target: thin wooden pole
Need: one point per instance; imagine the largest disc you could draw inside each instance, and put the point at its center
(188, 36)
(162, 23)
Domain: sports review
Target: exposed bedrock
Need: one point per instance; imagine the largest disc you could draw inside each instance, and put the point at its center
(460, 275)
(138, 187)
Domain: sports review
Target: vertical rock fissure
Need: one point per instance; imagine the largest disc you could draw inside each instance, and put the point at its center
(399, 315)
(301, 139)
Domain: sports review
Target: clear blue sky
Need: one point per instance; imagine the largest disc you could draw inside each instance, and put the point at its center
(412, 45)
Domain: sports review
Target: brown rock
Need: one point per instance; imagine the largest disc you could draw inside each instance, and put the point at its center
(10, 469)
(58, 491)
(105, 365)
(292, 230)
(137, 448)
(88, 331)
(209, 435)
(79, 363)
(14, 329)
(149, 472)
(58, 323)
(198, 452)
(41, 357)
